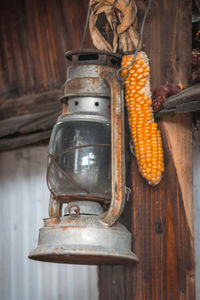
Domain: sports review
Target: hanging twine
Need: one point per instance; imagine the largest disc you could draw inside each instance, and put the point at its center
(121, 15)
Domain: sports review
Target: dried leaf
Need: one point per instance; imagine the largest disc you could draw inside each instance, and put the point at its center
(130, 44)
(104, 9)
(124, 35)
(121, 5)
(95, 5)
(123, 43)
(133, 36)
(127, 20)
(98, 40)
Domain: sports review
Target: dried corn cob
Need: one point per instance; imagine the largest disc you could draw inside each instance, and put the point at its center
(144, 132)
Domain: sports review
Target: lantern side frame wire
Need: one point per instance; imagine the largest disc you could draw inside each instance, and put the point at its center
(54, 162)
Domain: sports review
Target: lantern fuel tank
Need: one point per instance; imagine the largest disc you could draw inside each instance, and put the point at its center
(86, 168)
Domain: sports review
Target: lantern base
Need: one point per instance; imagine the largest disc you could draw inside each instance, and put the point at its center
(83, 240)
(88, 256)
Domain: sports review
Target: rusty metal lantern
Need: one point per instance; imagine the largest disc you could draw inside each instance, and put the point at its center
(86, 168)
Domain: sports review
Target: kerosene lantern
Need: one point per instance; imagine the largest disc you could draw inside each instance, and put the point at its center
(86, 168)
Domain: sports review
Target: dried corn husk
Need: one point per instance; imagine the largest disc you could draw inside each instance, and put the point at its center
(121, 15)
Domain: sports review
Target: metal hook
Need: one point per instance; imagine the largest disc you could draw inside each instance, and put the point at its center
(119, 76)
(127, 192)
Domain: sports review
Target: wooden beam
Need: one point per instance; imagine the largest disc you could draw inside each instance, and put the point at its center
(33, 114)
(29, 104)
(161, 218)
(29, 123)
(186, 101)
(24, 140)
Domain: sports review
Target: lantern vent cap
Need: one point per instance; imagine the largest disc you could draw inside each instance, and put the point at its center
(94, 57)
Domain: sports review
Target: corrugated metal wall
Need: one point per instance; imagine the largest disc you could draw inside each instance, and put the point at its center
(24, 203)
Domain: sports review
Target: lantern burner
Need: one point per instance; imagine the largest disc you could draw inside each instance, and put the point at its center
(83, 208)
(83, 239)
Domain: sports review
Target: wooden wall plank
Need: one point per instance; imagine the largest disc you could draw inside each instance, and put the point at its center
(160, 218)
(34, 36)
(178, 130)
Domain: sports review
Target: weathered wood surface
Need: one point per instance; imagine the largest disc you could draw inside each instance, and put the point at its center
(29, 114)
(28, 123)
(187, 100)
(24, 140)
(196, 190)
(30, 104)
(160, 218)
(34, 36)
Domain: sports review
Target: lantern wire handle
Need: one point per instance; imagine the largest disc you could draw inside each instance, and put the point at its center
(198, 6)
(86, 26)
(138, 48)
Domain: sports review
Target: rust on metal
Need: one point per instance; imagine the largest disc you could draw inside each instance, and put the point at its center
(55, 207)
(117, 150)
(85, 87)
(79, 197)
(82, 85)
(62, 221)
(52, 221)
(64, 109)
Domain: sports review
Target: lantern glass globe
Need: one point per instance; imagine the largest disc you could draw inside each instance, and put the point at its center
(87, 167)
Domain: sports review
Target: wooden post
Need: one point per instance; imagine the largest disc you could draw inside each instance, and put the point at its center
(160, 218)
